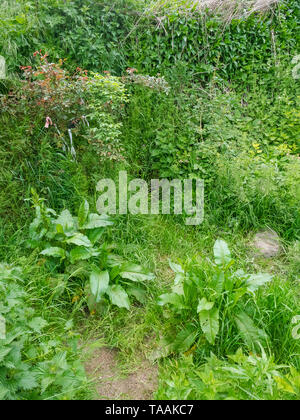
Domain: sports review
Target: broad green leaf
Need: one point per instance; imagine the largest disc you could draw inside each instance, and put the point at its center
(55, 252)
(95, 234)
(99, 283)
(81, 253)
(80, 240)
(176, 267)
(251, 334)
(4, 352)
(3, 392)
(97, 221)
(161, 352)
(217, 283)
(221, 252)
(83, 212)
(137, 276)
(184, 340)
(59, 229)
(178, 283)
(204, 305)
(27, 380)
(171, 298)
(114, 260)
(238, 294)
(178, 288)
(255, 281)
(209, 321)
(46, 382)
(135, 272)
(138, 293)
(37, 324)
(118, 296)
(284, 385)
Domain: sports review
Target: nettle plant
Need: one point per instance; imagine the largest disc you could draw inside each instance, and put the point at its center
(75, 244)
(33, 363)
(106, 96)
(239, 377)
(216, 300)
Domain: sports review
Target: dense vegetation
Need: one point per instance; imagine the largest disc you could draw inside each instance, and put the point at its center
(161, 90)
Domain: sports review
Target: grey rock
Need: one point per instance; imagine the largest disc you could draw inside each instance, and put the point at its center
(267, 242)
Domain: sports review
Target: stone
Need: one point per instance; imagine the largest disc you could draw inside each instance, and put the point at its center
(267, 242)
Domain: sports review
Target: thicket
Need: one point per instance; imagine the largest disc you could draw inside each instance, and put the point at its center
(94, 87)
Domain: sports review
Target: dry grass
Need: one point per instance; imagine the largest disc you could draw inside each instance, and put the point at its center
(227, 8)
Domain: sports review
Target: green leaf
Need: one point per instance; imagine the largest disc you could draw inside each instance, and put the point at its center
(209, 321)
(138, 293)
(171, 298)
(21, 19)
(3, 392)
(46, 382)
(4, 352)
(83, 212)
(204, 305)
(251, 334)
(59, 229)
(27, 380)
(96, 221)
(81, 253)
(176, 267)
(99, 282)
(118, 296)
(217, 283)
(80, 240)
(184, 340)
(95, 234)
(221, 252)
(55, 252)
(37, 324)
(255, 281)
(135, 272)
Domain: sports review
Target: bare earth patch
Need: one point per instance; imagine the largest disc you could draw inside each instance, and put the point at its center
(267, 243)
(110, 384)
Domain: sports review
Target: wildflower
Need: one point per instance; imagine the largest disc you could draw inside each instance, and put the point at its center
(131, 70)
(48, 122)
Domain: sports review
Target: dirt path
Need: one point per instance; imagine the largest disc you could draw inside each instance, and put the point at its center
(102, 366)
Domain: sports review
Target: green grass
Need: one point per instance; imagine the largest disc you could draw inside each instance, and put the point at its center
(222, 121)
